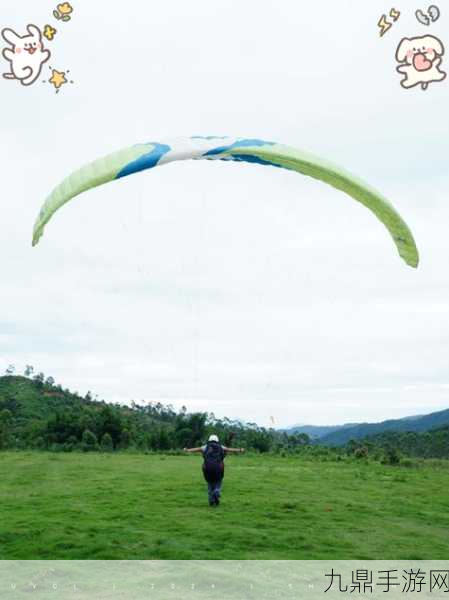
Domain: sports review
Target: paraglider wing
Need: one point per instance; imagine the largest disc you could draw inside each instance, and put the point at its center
(146, 156)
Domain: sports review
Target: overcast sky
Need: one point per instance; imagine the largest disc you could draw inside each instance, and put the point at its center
(242, 290)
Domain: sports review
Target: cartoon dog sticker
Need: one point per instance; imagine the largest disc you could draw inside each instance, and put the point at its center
(420, 59)
(26, 56)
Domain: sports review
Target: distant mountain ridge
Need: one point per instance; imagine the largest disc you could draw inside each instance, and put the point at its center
(317, 431)
(418, 424)
(339, 435)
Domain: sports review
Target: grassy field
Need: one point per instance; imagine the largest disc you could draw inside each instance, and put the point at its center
(126, 506)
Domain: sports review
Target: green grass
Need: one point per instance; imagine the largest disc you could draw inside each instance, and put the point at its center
(130, 506)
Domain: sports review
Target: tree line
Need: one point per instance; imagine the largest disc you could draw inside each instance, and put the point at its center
(35, 412)
(38, 413)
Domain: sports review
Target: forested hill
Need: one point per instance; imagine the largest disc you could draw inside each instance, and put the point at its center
(36, 399)
(358, 432)
(428, 444)
(37, 413)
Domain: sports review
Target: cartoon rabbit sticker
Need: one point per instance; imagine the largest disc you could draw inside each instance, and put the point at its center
(26, 56)
(420, 60)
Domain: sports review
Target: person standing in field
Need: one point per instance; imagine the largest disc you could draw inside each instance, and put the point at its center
(213, 466)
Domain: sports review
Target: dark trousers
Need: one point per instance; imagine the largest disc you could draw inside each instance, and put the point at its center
(214, 474)
(214, 491)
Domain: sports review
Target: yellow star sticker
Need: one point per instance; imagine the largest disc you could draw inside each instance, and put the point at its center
(57, 78)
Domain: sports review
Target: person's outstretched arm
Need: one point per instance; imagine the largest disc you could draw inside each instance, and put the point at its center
(234, 450)
(193, 449)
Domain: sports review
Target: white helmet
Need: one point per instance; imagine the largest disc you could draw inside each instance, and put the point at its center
(213, 438)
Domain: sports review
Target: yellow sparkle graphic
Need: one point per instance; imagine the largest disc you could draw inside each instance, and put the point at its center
(57, 79)
(49, 32)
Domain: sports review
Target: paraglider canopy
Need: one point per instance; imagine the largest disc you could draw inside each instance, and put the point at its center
(148, 155)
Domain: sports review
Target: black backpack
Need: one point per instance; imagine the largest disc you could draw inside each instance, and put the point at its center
(213, 454)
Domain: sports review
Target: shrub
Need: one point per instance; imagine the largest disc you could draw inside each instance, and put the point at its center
(5, 429)
(125, 438)
(56, 448)
(39, 443)
(71, 444)
(391, 457)
(106, 443)
(89, 441)
(361, 452)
